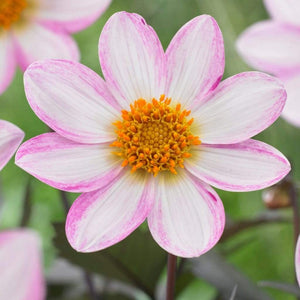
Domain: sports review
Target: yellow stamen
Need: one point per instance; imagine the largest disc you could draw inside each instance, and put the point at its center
(10, 12)
(125, 163)
(155, 136)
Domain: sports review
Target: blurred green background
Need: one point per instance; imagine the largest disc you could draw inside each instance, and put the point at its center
(261, 253)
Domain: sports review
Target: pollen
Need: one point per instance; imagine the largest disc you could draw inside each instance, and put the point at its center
(154, 136)
(10, 12)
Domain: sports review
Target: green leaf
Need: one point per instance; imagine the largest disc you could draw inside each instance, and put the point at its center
(214, 269)
(137, 260)
(183, 281)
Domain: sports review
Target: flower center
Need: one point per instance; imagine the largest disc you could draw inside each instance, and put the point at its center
(154, 136)
(10, 12)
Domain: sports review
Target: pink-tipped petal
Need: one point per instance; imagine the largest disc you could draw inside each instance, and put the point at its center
(246, 166)
(195, 60)
(10, 139)
(72, 100)
(21, 276)
(297, 260)
(72, 15)
(285, 11)
(291, 110)
(7, 61)
(188, 216)
(132, 58)
(67, 165)
(239, 108)
(271, 47)
(37, 42)
(104, 217)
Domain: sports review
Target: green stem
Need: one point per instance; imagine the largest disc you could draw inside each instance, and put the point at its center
(171, 280)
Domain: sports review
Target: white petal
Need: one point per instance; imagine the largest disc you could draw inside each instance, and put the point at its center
(195, 60)
(287, 11)
(270, 46)
(188, 216)
(7, 61)
(72, 100)
(246, 166)
(239, 108)
(10, 139)
(102, 218)
(67, 165)
(37, 42)
(72, 15)
(21, 276)
(132, 58)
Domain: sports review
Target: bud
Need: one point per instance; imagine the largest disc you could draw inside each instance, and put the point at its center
(278, 196)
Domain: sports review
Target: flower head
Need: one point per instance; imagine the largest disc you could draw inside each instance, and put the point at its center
(21, 274)
(274, 46)
(154, 136)
(38, 29)
(146, 142)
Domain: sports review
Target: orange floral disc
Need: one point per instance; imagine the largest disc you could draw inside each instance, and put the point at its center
(154, 136)
(10, 12)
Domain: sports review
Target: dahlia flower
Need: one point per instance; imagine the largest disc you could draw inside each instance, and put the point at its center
(147, 142)
(274, 46)
(38, 29)
(21, 275)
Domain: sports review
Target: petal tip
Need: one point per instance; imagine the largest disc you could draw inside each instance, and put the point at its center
(20, 153)
(174, 229)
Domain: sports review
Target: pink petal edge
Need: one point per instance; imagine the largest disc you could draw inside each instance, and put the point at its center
(35, 156)
(271, 47)
(175, 221)
(285, 11)
(71, 18)
(240, 107)
(125, 40)
(11, 137)
(38, 42)
(14, 264)
(195, 61)
(71, 99)
(104, 217)
(263, 161)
